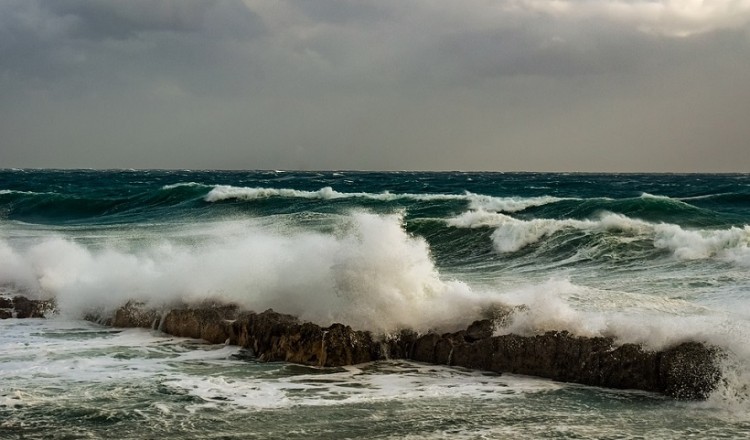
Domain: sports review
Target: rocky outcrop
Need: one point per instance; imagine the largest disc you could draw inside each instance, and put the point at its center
(269, 336)
(22, 307)
(685, 371)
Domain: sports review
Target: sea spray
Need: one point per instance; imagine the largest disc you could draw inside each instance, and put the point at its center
(370, 273)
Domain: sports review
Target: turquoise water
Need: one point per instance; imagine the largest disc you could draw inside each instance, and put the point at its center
(653, 259)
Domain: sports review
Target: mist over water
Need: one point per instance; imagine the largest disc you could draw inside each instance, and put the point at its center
(650, 259)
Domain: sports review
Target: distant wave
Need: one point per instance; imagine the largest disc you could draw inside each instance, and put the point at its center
(512, 234)
(477, 201)
(185, 185)
(26, 193)
(54, 207)
(727, 197)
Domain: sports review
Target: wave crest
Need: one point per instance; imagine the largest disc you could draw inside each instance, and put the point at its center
(370, 273)
(512, 234)
(476, 201)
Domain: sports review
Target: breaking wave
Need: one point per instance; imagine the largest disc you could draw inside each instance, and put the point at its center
(370, 273)
(476, 201)
(513, 234)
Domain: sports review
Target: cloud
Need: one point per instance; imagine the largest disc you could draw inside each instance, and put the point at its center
(513, 84)
(678, 18)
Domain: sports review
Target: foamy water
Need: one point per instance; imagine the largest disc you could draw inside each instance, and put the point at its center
(379, 252)
(98, 382)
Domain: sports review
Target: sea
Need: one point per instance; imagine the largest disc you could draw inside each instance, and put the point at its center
(654, 259)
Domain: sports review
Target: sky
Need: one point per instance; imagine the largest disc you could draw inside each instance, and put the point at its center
(495, 85)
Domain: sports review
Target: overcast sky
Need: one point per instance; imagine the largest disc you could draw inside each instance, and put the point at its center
(505, 85)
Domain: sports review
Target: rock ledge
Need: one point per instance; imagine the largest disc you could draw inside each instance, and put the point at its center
(689, 370)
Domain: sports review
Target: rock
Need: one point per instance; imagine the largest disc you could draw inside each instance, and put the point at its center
(686, 371)
(480, 330)
(344, 346)
(6, 303)
(213, 324)
(135, 314)
(277, 337)
(6, 308)
(400, 345)
(31, 308)
(424, 348)
(689, 371)
(478, 355)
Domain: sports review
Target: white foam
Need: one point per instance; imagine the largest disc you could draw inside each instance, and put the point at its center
(730, 244)
(184, 185)
(385, 381)
(476, 201)
(13, 191)
(512, 234)
(32, 351)
(509, 204)
(370, 273)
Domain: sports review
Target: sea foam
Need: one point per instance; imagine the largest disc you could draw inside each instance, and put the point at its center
(370, 273)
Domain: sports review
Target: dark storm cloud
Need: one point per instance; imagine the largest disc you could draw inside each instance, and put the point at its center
(513, 84)
(54, 39)
(107, 19)
(102, 19)
(344, 11)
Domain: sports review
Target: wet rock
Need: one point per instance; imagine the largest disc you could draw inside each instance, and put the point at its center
(135, 314)
(6, 303)
(211, 324)
(424, 348)
(6, 308)
(689, 371)
(686, 371)
(399, 345)
(29, 308)
(277, 337)
(480, 330)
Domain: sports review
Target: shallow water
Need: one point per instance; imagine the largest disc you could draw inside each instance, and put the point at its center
(75, 379)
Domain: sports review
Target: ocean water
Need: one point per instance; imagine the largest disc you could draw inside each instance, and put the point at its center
(652, 259)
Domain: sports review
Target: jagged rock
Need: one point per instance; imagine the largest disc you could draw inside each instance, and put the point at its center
(424, 348)
(135, 314)
(6, 308)
(31, 308)
(211, 324)
(277, 337)
(686, 371)
(400, 345)
(6, 303)
(689, 371)
(480, 330)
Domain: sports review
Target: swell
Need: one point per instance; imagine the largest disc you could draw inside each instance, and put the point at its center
(606, 236)
(129, 201)
(127, 206)
(646, 207)
(221, 193)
